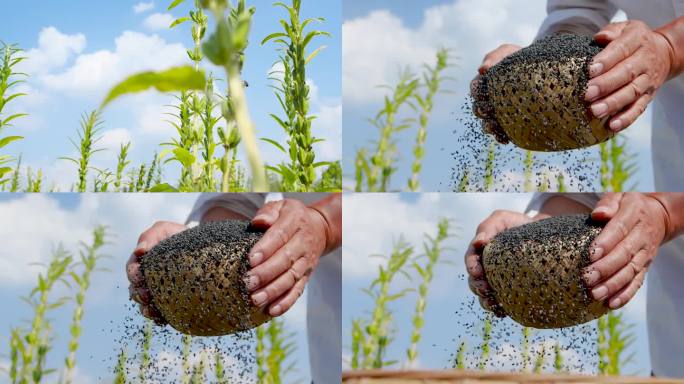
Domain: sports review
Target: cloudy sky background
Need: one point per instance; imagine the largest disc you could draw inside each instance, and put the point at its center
(78, 49)
(382, 36)
(373, 222)
(40, 222)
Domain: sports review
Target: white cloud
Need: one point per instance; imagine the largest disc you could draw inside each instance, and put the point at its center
(113, 138)
(143, 7)
(377, 45)
(158, 21)
(94, 73)
(54, 50)
(328, 125)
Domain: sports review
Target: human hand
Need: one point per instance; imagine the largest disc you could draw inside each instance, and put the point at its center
(283, 260)
(626, 74)
(137, 289)
(497, 222)
(623, 251)
(490, 60)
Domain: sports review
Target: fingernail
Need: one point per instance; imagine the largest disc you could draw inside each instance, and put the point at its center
(616, 125)
(615, 303)
(141, 247)
(252, 282)
(592, 277)
(599, 109)
(276, 311)
(592, 93)
(600, 293)
(595, 69)
(260, 298)
(596, 254)
(256, 259)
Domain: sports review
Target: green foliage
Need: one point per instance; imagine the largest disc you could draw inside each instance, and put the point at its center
(89, 256)
(120, 369)
(432, 249)
(88, 136)
(614, 338)
(275, 346)
(486, 338)
(489, 167)
(618, 165)
(331, 179)
(432, 80)
(145, 351)
(10, 57)
(459, 360)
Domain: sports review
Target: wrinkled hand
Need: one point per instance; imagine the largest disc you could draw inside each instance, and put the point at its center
(623, 251)
(497, 222)
(147, 240)
(626, 74)
(490, 60)
(283, 260)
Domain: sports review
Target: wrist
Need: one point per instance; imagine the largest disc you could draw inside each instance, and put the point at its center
(330, 212)
(672, 206)
(672, 35)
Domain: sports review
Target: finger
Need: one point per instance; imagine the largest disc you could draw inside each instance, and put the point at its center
(607, 207)
(267, 215)
(495, 56)
(613, 262)
(276, 237)
(626, 118)
(618, 100)
(609, 33)
(286, 301)
(156, 233)
(614, 283)
(621, 45)
(479, 287)
(615, 232)
(286, 257)
(627, 293)
(133, 271)
(140, 295)
(616, 78)
(282, 283)
(473, 263)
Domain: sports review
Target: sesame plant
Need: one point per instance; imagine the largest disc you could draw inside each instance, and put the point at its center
(274, 348)
(617, 165)
(374, 174)
(293, 94)
(432, 248)
(29, 347)
(88, 136)
(10, 57)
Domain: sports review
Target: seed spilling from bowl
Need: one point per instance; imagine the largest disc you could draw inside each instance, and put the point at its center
(535, 272)
(535, 97)
(196, 279)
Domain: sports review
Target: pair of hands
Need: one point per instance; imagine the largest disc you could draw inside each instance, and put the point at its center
(281, 262)
(624, 76)
(636, 226)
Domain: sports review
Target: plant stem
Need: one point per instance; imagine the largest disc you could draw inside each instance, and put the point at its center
(486, 337)
(489, 167)
(120, 369)
(459, 361)
(186, 341)
(433, 79)
(145, 353)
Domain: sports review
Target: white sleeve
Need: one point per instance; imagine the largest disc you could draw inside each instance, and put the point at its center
(245, 204)
(589, 200)
(585, 17)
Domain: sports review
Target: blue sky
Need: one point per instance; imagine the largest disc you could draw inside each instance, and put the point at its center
(373, 222)
(40, 222)
(382, 36)
(78, 49)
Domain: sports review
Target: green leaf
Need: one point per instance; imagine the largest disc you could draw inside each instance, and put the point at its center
(276, 144)
(6, 140)
(163, 188)
(184, 156)
(272, 36)
(322, 164)
(314, 54)
(174, 79)
(175, 4)
(178, 22)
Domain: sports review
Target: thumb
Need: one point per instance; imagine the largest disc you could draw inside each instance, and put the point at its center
(267, 215)
(607, 207)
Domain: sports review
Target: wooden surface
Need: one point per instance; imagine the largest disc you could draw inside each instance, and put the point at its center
(463, 377)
